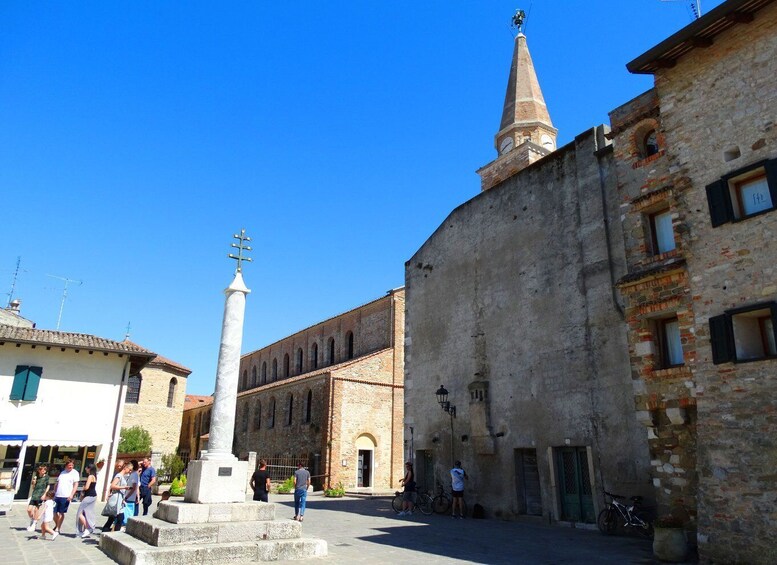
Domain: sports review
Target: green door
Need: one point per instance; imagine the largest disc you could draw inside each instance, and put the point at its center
(577, 504)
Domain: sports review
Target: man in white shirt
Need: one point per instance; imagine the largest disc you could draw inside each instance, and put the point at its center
(65, 490)
(457, 489)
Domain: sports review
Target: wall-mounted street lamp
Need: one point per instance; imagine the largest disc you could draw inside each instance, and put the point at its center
(442, 400)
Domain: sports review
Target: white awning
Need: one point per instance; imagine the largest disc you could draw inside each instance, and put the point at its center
(67, 442)
(13, 440)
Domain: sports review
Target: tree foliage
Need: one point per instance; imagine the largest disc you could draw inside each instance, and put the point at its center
(172, 465)
(134, 440)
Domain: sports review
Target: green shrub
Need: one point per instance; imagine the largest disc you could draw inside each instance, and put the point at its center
(336, 491)
(286, 486)
(134, 440)
(177, 489)
(183, 480)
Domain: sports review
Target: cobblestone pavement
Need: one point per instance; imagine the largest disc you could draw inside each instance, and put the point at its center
(368, 531)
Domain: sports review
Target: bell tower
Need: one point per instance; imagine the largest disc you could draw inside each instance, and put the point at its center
(526, 132)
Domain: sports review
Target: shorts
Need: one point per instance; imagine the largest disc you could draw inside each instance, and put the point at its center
(409, 496)
(260, 496)
(61, 504)
(457, 494)
(35, 503)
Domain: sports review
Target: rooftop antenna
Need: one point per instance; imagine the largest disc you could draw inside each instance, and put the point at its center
(64, 294)
(13, 281)
(242, 238)
(695, 6)
(127, 334)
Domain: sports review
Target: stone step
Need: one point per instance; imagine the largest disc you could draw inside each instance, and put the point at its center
(160, 533)
(125, 549)
(192, 513)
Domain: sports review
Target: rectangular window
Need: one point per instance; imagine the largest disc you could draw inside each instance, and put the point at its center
(661, 232)
(743, 193)
(744, 334)
(670, 347)
(25, 383)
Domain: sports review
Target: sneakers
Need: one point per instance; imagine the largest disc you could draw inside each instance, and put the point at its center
(86, 533)
(31, 527)
(54, 535)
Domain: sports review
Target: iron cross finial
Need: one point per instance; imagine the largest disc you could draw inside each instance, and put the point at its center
(518, 20)
(242, 238)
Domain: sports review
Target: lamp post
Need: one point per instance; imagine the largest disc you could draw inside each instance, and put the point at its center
(442, 400)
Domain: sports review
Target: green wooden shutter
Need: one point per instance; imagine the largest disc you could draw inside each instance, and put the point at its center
(719, 202)
(33, 380)
(722, 339)
(19, 382)
(771, 178)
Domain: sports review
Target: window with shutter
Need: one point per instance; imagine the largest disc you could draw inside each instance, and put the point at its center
(721, 340)
(744, 334)
(25, 383)
(743, 193)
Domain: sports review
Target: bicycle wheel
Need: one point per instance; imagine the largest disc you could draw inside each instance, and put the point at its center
(396, 504)
(441, 504)
(607, 521)
(641, 522)
(425, 504)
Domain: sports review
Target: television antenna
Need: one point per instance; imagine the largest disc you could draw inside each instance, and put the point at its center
(64, 294)
(694, 5)
(13, 281)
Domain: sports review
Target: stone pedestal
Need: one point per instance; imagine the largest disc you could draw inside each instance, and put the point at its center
(182, 532)
(209, 482)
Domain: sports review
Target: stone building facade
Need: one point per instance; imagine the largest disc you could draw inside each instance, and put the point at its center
(331, 394)
(154, 400)
(195, 425)
(716, 89)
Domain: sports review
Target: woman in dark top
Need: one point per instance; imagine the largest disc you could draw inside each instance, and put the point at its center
(408, 496)
(85, 518)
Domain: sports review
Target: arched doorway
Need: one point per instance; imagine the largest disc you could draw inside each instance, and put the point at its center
(365, 447)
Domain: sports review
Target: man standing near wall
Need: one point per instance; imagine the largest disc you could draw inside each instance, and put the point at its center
(147, 480)
(65, 490)
(301, 485)
(457, 487)
(260, 482)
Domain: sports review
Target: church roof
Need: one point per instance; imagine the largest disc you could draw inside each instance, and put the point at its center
(524, 103)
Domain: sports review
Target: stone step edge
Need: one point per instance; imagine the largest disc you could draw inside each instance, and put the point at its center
(145, 530)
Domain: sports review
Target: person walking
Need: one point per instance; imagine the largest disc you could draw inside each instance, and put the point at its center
(147, 480)
(260, 482)
(47, 516)
(111, 519)
(85, 517)
(133, 492)
(64, 491)
(457, 489)
(301, 485)
(40, 486)
(408, 494)
(119, 484)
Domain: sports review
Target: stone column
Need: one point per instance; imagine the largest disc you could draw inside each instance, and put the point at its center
(219, 477)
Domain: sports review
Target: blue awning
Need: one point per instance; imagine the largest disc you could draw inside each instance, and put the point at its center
(11, 439)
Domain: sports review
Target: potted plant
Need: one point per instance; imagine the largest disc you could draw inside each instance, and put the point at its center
(669, 543)
(337, 491)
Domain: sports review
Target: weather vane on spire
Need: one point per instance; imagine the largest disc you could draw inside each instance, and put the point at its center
(242, 238)
(519, 18)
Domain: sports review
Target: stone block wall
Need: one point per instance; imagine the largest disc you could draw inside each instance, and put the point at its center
(718, 113)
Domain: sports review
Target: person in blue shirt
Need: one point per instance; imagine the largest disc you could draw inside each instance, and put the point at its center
(147, 480)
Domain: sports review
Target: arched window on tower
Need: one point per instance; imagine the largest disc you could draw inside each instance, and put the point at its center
(133, 389)
(331, 344)
(286, 366)
(290, 414)
(309, 407)
(275, 370)
(171, 392)
(264, 372)
(314, 356)
(651, 143)
(299, 361)
(349, 341)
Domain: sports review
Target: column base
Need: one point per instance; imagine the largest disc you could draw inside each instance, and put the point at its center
(209, 482)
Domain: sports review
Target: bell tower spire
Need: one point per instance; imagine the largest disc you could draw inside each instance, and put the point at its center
(526, 132)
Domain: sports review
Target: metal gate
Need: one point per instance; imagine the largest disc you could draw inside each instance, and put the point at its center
(577, 503)
(527, 482)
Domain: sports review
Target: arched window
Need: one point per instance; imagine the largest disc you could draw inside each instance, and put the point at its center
(271, 417)
(264, 372)
(349, 341)
(244, 383)
(651, 143)
(253, 376)
(286, 366)
(309, 407)
(299, 361)
(244, 420)
(258, 415)
(290, 413)
(331, 359)
(171, 392)
(133, 389)
(314, 356)
(275, 370)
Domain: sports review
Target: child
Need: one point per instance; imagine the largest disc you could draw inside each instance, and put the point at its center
(48, 516)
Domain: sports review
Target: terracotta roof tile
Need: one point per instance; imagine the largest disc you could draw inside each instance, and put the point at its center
(70, 340)
(193, 401)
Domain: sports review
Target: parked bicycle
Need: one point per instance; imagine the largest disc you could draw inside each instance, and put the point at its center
(617, 514)
(422, 502)
(443, 500)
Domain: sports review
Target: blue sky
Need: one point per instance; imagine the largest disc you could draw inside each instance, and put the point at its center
(136, 138)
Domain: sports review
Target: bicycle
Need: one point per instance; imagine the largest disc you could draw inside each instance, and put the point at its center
(631, 517)
(443, 500)
(423, 502)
